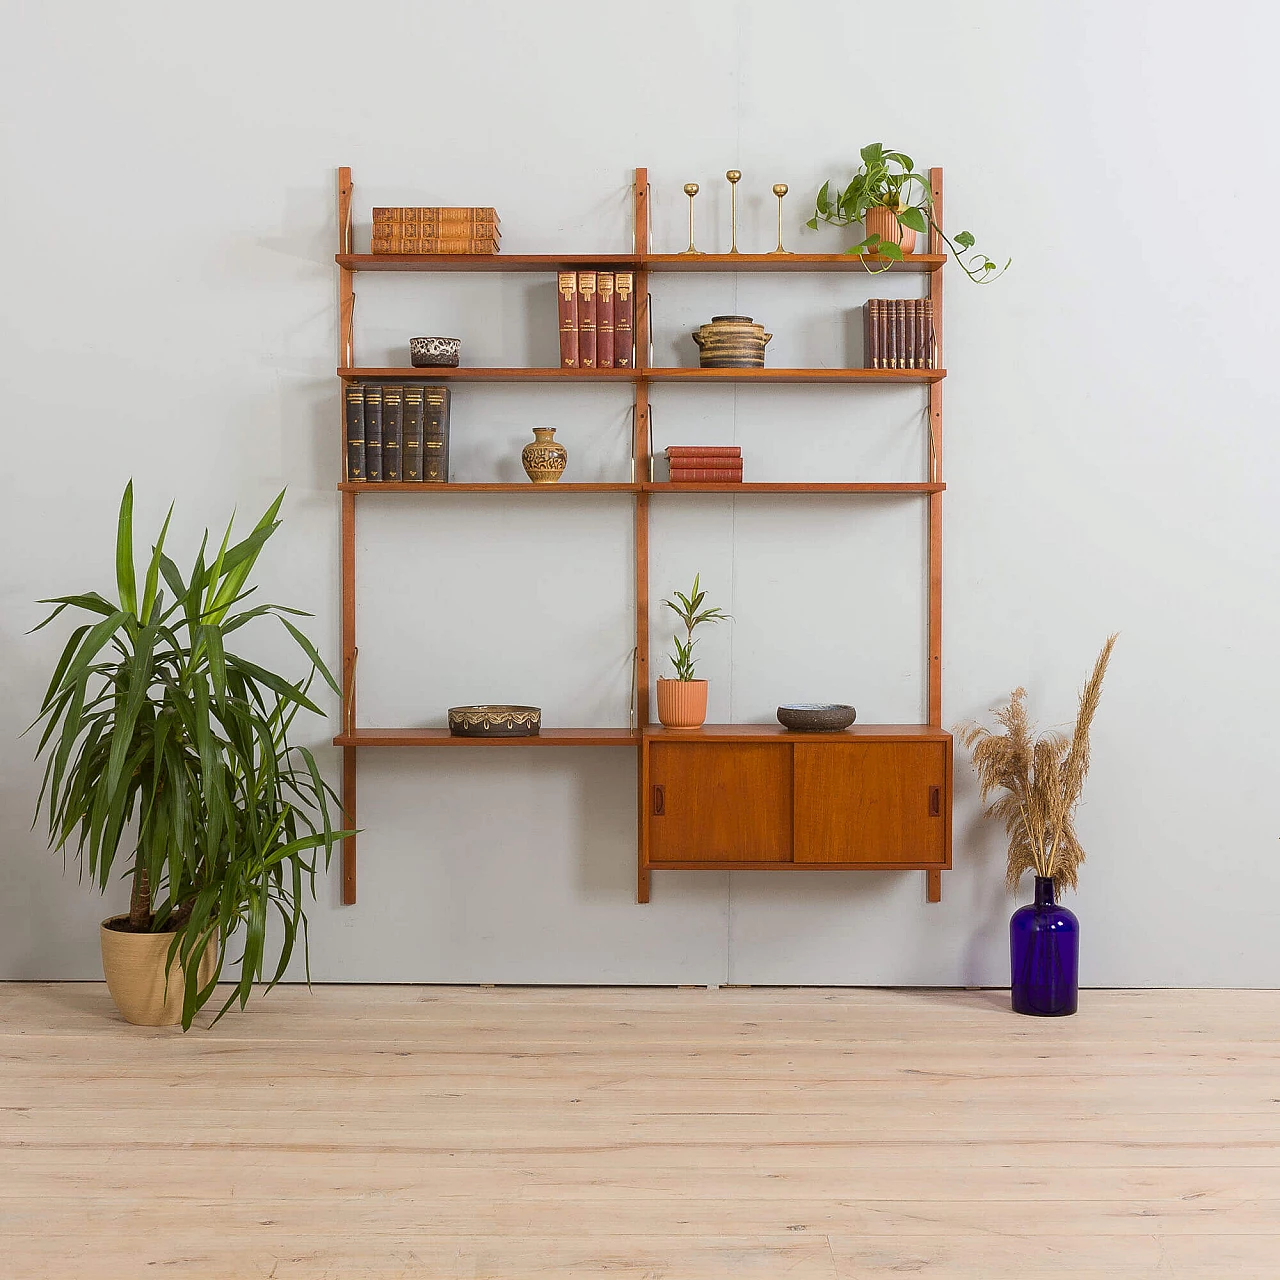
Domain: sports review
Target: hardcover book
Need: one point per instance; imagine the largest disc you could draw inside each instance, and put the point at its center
(435, 435)
(624, 303)
(586, 319)
(706, 475)
(567, 297)
(355, 430)
(467, 214)
(411, 441)
(382, 243)
(703, 451)
(604, 320)
(870, 334)
(373, 431)
(392, 427)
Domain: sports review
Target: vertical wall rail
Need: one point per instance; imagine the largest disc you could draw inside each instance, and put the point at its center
(346, 358)
(933, 879)
(643, 474)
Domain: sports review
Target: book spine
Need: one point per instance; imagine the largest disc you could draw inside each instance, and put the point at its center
(355, 431)
(477, 227)
(712, 475)
(922, 336)
(704, 451)
(909, 322)
(587, 319)
(435, 212)
(870, 334)
(435, 435)
(931, 338)
(624, 314)
(900, 321)
(431, 244)
(373, 431)
(392, 429)
(411, 442)
(890, 335)
(567, 296)
(882, 333)
(716, 464)
(604, 320)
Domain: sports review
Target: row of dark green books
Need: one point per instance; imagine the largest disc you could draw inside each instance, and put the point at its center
(397, 431)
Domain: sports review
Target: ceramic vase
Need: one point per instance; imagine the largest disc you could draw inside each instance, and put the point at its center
(544, 459)
(882, 222)
(145, 987)
(1044, 956)
(682, 704)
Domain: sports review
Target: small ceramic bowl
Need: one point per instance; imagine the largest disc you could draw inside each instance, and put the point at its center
(814, 717)
(495, 722)
(435, 353)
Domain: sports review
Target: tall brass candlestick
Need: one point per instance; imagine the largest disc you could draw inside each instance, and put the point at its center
(734, 175)
(691, 190)
(780, 190)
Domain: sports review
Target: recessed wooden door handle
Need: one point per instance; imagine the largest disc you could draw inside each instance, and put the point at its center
(935, 802)
(659, 801)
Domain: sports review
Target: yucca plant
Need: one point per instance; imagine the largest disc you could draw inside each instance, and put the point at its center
(166, 746)
(1041, 777)
(688, 608)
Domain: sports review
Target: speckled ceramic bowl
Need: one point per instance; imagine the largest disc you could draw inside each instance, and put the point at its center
(816, 717)
(435, 353)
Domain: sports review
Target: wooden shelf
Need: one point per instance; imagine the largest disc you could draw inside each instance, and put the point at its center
(402, 486)
(669, 262)
(484, 373)
(775, 732)
(770, 486)
(443, 738)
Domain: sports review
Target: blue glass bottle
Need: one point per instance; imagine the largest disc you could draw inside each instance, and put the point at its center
(1044, 954)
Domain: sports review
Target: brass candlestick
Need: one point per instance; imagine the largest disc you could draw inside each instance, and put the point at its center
(780, 190)
(691, 190)
(734, 176)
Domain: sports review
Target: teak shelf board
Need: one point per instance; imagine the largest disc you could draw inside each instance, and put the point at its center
(403, 486)
(789, 486)
(655, 373)
(669, 262)
(443, 738)
(780, 733)
(485, 373)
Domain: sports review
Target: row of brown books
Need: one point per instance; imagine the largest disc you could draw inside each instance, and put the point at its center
(397, 431)
(899, 333)
(706, 464)
(436, 229)
(597, 316)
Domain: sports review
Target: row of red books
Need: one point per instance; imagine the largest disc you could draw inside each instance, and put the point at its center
(708, 464)
(597, 316)
(436, 229)
(899, 334)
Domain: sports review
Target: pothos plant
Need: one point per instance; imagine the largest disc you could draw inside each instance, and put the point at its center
(888, 179)
(688, 608)
(170, 753)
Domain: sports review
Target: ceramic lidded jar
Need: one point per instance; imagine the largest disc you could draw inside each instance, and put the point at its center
(543, 458)
(731, 342)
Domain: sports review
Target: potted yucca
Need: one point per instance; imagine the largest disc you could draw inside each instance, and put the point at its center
(1041, 777)
(682, 702)
(171, 754)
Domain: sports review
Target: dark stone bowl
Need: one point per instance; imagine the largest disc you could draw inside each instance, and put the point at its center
(815, 717)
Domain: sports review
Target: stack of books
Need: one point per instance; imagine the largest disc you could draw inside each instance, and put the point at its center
(597, 316)
(899, 333)
(705, 464)
(397, 431)
(436, 229)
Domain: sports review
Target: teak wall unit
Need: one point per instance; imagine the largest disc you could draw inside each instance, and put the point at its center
(737, 796)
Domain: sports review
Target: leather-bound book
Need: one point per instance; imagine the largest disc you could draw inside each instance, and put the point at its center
(392, 427)
(931, 338)
(604, 320)
(411, 438)
(567, 298)
(397, 243)
(354, 398)
(435, 435)
(586, 319)
(882, 331)
(890, 335)
(624, 315)
(475, 223)
(870, 335)
(703, 451)
(373, 430)
(909, 324)
(706, 475)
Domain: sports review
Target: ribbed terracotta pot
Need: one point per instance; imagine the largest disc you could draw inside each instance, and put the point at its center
(134, 967)
(682, 704)
(883, 223)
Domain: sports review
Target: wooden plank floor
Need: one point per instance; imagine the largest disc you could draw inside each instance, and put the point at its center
(467, 1132)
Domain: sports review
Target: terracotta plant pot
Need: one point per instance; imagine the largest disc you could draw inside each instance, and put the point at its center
(882, 222)
(134, 966)
(682, 704)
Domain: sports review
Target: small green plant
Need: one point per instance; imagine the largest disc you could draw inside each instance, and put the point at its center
(888, 180)
(689, 610)
(172, 754)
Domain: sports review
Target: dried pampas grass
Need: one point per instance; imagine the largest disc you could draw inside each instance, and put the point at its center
(1041, 777)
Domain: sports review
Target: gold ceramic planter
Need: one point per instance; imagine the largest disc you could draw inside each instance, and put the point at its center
(731, 342)
(136, 967)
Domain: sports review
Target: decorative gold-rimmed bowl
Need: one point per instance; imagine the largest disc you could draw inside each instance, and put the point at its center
(495, 721)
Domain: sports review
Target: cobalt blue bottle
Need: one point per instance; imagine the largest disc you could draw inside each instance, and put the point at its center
(1044, 955)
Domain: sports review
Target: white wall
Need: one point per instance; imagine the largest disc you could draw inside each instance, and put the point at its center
(168, 314)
